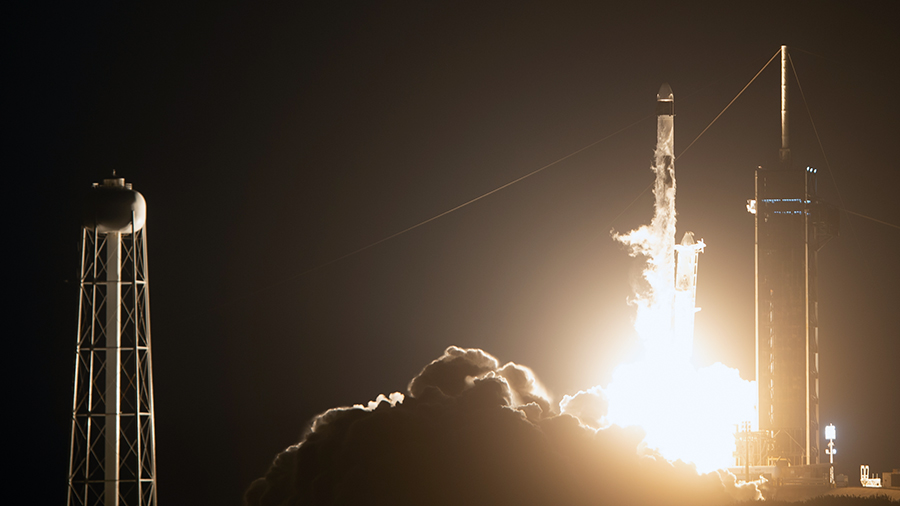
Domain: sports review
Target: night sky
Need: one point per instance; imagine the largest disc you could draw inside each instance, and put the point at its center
(269, 140)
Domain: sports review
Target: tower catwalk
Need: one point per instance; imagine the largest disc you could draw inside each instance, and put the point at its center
(112, 459)
(792, 224)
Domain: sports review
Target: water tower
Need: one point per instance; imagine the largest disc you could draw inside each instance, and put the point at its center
(112, 459)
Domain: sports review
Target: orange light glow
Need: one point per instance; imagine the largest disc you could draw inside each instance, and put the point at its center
(687, 413)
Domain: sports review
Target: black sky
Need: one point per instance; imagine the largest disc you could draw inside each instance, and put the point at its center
(268, 140)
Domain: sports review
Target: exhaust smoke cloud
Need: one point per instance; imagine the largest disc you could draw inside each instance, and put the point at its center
(476, 433)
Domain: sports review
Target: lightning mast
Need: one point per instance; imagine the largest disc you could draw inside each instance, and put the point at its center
(112, 459)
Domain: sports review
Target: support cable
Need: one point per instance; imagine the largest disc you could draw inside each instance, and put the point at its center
(870, 218)
(729, 104)
(827, 163)
(495, 190)
(464, 204)
(816, 131)
(698, 136)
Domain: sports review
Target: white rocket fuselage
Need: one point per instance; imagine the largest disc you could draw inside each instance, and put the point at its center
(663, 222)
(665, 130)
(681, 258)
(686, 256)
(664, 162)
(665, 317)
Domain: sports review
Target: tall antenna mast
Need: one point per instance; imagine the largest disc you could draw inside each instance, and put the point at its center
(784, 154)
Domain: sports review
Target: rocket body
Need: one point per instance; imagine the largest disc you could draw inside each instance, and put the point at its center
(665, 318)
(664, 218)
(665, 134)
(686, 256)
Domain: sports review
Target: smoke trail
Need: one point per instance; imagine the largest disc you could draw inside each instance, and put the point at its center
(656, 242)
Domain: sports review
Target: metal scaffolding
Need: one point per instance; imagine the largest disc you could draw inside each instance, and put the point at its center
(792, 224)
(112, 458)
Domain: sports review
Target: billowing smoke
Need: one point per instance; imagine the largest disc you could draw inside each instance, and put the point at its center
(474, 432)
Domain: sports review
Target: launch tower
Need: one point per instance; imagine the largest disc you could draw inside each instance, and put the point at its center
(792, 224)
(112, 459)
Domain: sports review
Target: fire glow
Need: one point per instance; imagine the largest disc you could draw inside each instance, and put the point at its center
(687, 413)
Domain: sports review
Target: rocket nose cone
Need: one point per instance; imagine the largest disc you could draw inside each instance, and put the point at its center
(665, 93)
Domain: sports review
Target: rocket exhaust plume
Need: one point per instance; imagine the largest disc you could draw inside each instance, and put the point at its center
(688, 414)
(471, 431)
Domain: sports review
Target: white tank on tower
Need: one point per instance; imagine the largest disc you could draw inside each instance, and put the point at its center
(113, 206)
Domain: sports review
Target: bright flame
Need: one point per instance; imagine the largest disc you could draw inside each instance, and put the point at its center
(687, 414)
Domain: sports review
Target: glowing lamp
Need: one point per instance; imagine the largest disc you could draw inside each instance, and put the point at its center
(829, 432)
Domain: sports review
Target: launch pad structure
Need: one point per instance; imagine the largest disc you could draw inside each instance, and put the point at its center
(791, 225)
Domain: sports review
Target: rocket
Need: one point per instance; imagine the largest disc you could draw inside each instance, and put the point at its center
(665, 101)
(665, 131)
(684, 256)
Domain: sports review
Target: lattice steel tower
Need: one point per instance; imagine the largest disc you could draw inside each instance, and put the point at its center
(792, 224)
(112, 460)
